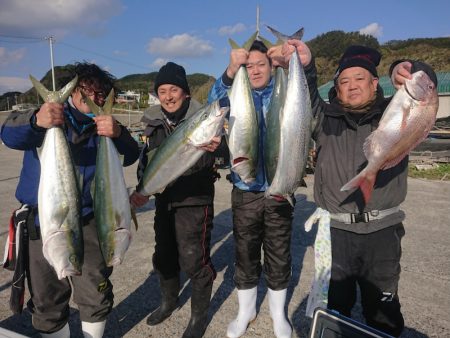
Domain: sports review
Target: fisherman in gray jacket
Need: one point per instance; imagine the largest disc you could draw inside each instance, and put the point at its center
(184, 210)
(365, 238)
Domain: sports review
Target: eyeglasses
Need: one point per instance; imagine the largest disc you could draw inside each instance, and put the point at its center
(89, 91)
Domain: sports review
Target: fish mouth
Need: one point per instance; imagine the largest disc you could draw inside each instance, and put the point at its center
(411, 94)
(239, 160)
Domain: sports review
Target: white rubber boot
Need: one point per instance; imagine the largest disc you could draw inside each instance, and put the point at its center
(281, 326)
(93, 330)
(246, 313)
(62, 333)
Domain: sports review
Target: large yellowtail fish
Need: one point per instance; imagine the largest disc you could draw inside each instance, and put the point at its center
(273, 120)
(180, 150)
(295, 128)
(59, 195)
(406, 121)
(243, 124)
(111, 202)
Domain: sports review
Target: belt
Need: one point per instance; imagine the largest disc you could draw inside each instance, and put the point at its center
(349, 218)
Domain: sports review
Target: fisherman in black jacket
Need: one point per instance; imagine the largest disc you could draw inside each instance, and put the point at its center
(365, 238)
(184, 210)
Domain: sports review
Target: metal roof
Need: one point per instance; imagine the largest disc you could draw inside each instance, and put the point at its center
(388, 88)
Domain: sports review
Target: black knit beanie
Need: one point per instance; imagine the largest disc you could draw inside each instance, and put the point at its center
(359, 56)
(171, 73)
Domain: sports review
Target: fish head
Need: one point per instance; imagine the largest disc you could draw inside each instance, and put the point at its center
(420, 87)
(209, 124)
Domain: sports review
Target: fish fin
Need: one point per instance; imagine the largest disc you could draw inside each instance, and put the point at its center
(233, 44)
(364, 181)
(54, 96)
(91, 104)
(134, 217)
(289, 199)
(107, 107)
(298, 35)
(266, 42)
(247, 44)
(278, 35)
(42, 91)
(395, 161)
(64, 93)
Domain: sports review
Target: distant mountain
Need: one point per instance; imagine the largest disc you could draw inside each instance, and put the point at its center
(327, 49)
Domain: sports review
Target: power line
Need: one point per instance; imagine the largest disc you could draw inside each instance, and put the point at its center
(31, 39)
(20, 39)
(103, 56)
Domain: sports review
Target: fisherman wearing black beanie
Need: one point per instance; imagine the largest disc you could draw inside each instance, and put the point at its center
(171, 73)
(184, 209)
(365, 224)
(359, 56)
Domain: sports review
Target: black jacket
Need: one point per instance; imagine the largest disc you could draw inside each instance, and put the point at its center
(196, 185)
(340, 157)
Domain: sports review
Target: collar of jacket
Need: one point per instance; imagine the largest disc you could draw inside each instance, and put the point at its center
(78, 121)
(267, 89)
(337, 110)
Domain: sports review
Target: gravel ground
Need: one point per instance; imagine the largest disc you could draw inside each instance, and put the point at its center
(424, 284)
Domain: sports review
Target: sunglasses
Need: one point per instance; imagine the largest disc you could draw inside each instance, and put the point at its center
(90, 92)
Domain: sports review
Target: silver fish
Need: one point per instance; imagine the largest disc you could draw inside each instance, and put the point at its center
(406, 121)
(179, 152)
(243, 128)
(111, 202)
(59, 195)
(273, 118)
(295, 128)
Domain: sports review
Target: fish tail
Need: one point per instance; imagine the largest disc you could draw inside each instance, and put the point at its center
(298, 35)
(365, 181)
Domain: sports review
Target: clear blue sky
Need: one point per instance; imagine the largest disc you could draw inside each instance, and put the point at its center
(138, 36)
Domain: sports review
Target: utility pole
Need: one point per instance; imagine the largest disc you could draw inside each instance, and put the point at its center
(50, 39)
(257, 22)
(7, 100)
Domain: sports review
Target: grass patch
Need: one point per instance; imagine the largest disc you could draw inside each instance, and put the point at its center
(442, 172)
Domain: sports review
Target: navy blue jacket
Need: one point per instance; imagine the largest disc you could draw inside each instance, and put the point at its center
(20, 133)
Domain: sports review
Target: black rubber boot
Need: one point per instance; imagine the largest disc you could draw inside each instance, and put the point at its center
(169, 297)
(200, 300)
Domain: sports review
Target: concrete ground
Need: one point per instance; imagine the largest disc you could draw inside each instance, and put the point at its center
(424, 285)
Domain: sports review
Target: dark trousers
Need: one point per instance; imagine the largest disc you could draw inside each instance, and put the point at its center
(260, 222)
(92, 291)
(373, 262)
(183, 238)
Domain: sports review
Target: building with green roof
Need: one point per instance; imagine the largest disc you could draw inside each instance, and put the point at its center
(389, 90)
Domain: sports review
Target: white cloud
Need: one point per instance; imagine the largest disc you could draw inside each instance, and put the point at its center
(8, 57)
(158, 63)
(13, 84)
(230, 30)
(55, 17)
(181, 45)
(373, 29)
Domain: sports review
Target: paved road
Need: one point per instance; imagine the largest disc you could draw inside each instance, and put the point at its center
(424, 284)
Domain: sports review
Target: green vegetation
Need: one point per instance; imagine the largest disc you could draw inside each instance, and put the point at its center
(441, 172)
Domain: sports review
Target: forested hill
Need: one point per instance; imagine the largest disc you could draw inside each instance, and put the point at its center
(327, 48)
